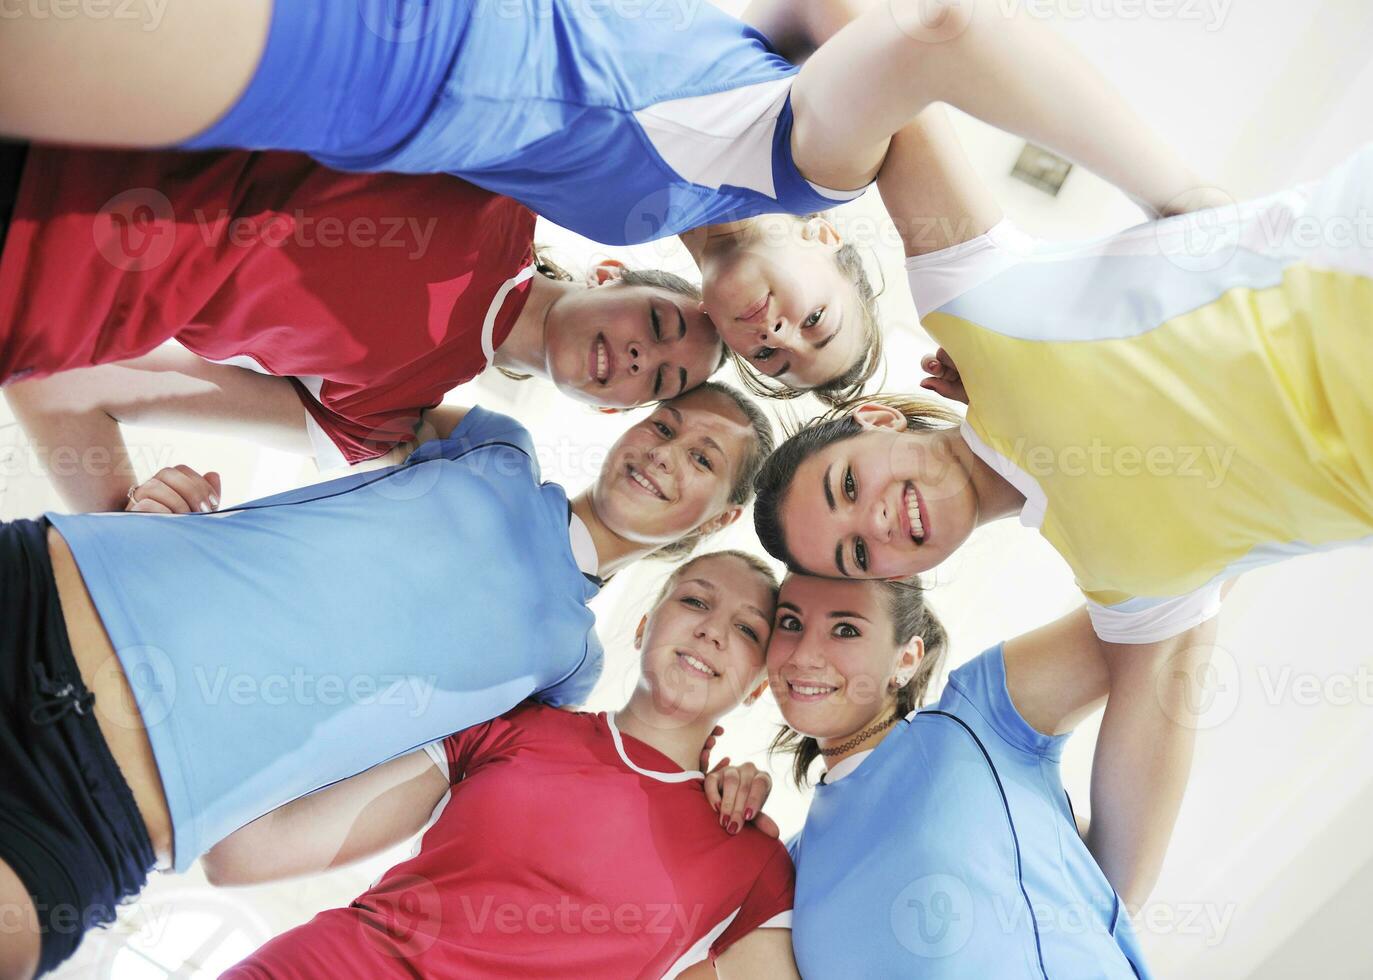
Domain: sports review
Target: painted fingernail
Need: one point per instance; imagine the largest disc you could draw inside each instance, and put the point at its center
(748, 814)
(734, 827)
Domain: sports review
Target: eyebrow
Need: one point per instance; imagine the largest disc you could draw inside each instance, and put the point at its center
(682, 377)
(675, 414)
(839, 559)
(785, 368)
(704, 583)
(789, 605)
(681, 322)
(829, 494)
(845, 614)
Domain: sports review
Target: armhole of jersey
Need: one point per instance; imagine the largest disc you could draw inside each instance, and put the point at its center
(1010, 822)
(1036, 501)
(439, 756)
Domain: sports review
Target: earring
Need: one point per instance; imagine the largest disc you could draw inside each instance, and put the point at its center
(607, 411)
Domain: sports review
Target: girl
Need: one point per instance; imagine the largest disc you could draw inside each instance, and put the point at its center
(1199, 409)
(565, 844)
(940, 842)
(202, 670)
(623, 126)
(394, 289)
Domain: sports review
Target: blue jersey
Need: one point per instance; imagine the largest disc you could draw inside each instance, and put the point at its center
(623, 125)
(951, 852)
(303, 638)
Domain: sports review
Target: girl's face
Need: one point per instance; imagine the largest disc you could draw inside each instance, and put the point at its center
(779, 300)
(833, 664)
(673, 472)
(620, 346)
(886, 503)
(703, 645)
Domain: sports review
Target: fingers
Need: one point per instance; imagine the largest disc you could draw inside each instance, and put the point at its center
(768, 826)
(177, 490)
(713, 783)
(946, 363)
(705, 750)
(743, 791)
(757, 795)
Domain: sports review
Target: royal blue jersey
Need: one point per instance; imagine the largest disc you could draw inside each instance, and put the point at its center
(622, 122)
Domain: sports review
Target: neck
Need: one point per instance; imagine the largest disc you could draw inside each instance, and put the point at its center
(613, 552)
(996, 496)
(678, 740)
(850, 747)
(701, 241)
(526, 346)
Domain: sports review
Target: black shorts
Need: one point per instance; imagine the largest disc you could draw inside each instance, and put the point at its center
(69, 826)
(11, 167)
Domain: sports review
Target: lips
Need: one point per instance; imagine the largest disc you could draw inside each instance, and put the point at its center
(601, 361)
(638, 478)
(756, 313)
(693, 664)
(802, 690)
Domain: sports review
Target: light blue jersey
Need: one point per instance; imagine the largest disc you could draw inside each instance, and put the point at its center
(300, 639)
(622, 122)
(951, 852)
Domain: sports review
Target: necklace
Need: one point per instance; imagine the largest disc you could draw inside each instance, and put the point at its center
(861, 737)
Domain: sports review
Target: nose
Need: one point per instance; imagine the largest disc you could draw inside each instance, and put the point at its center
(880, 521)
(662, 457)
(710, 631)
(782, 333)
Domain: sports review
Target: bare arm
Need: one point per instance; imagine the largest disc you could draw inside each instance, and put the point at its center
(1057, 675)
(334, 826)
(879, 72)
(74, 418)
(764, 953)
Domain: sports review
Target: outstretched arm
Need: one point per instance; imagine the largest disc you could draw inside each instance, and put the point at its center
(895, 60)
(334, 826)
(74, 418)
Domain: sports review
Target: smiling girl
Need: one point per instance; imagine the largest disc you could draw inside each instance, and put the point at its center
(150, 710)
(586, 838)
(319, 311)
(940, 841)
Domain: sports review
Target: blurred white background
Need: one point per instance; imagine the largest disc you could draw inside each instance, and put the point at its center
(1271, 870)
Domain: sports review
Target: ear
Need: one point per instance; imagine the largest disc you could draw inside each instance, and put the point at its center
(820, 231)
(871, 415)
(639, 632)
(604, 271)
(907, 661)
(723, 521)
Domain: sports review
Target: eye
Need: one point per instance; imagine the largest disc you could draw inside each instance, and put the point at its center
(860, 554)
(663, 429)
(850, 488)
(693, 602)
(703, 460)
(764, 353)
(789, 623)
(814, 319)
(748, 631)
(846, 631)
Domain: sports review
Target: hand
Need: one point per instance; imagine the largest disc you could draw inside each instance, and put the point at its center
(176, 490)
(738, 793)
(944, 378)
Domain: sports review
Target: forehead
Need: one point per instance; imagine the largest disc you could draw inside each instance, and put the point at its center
(731, 578)
(708, 413)
(816, 596)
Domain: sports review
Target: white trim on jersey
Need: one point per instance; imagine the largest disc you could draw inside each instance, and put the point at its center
(721, 138)
(439, 756)
(662, 777)
(492, 311)
(939, 278)
(1144, 620)
(1036, 501)
(701, 948)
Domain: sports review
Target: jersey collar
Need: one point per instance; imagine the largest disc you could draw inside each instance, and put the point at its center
(681, 776)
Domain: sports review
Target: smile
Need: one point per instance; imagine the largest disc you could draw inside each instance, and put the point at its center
(643, 482)
(601, 362)
(756, 313)
(915, 513)
(695, 665)
(809, 690)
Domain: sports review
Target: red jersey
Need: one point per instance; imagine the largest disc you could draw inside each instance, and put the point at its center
(564, 849)
(378, 292)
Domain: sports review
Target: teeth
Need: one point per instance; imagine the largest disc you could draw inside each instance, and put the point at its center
(697, 663)
(810, 689)
(640, 479)
(913, 512)
(602, 360)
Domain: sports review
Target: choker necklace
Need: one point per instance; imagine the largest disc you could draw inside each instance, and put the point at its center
(861, 737)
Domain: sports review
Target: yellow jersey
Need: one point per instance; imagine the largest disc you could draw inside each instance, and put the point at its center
(1177, 402)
